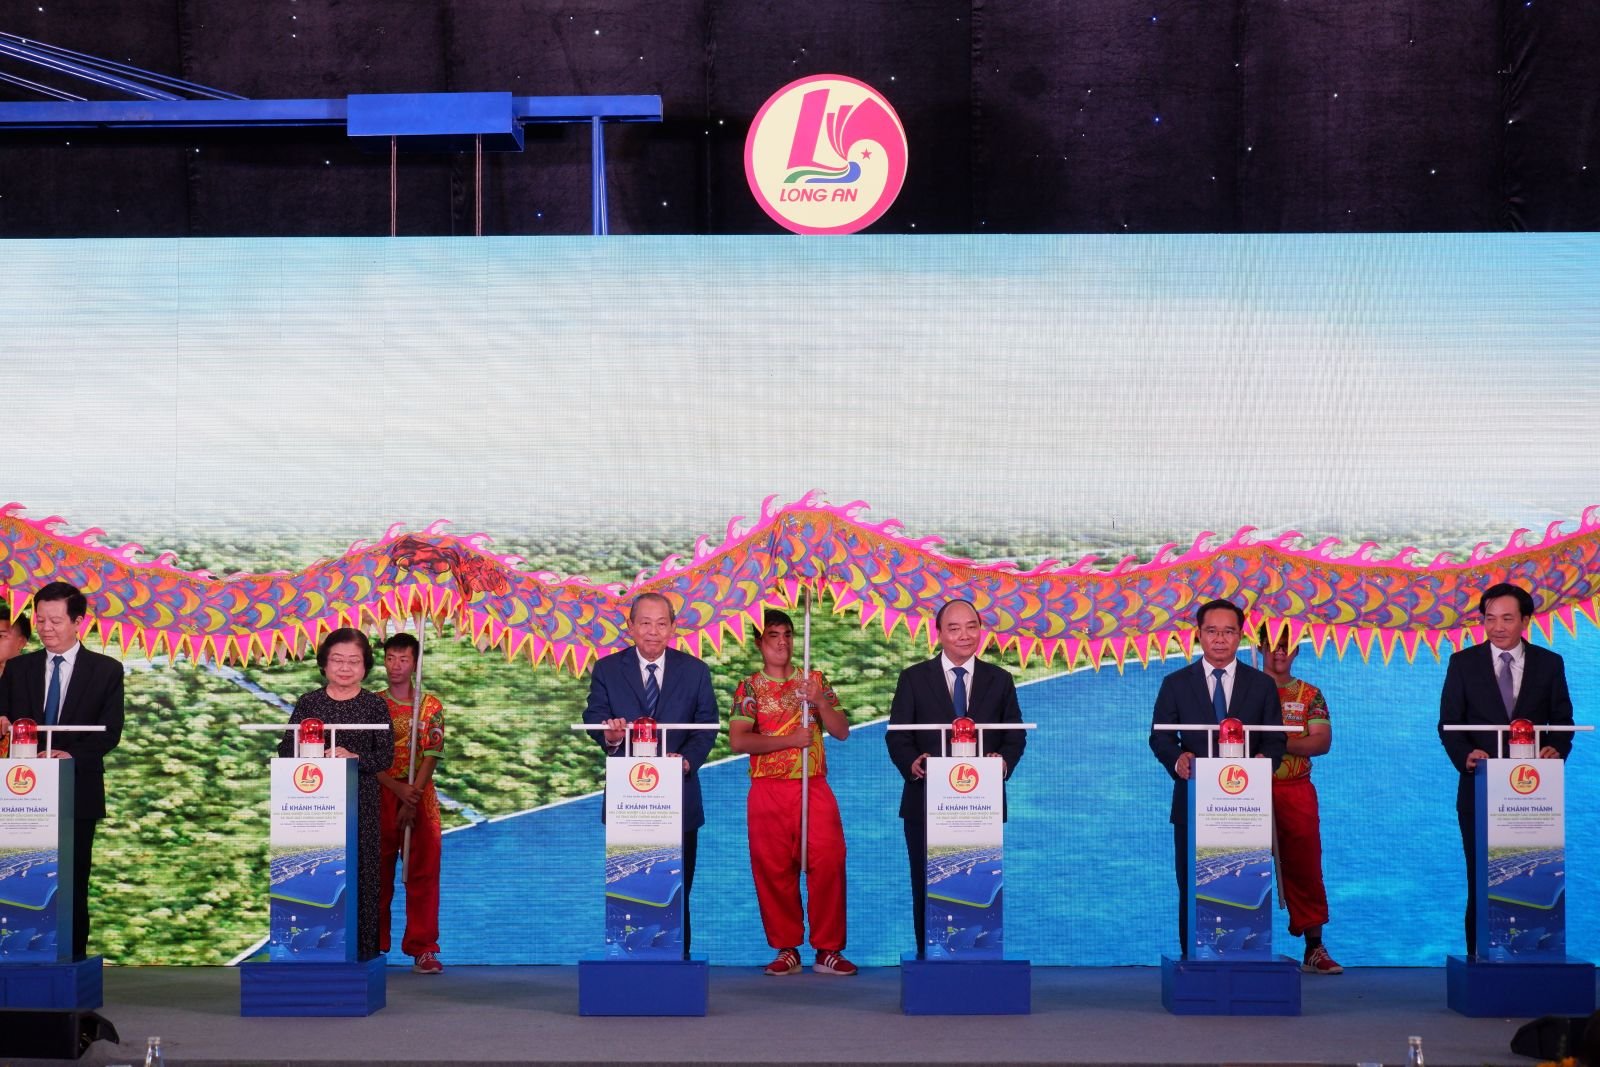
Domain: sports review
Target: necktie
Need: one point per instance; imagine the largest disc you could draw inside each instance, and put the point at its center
(1219, 699)
(52, 696)
(958, 692)
(1508, 692)
(652, 691)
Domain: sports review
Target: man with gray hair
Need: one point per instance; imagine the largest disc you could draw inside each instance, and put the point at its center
(654, 680)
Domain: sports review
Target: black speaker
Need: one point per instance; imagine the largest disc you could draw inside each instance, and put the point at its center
(1550, 1037)
(55, 1035)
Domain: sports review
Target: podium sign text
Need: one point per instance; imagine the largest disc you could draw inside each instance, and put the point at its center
(36, 860)
(966, 870)
(314, 856)
(1230, 859)
(1521, 862)
(644, 857)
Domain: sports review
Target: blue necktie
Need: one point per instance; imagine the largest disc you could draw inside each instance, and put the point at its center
(1219, 699)
(958, 693)
(52, 696)
(652, 691)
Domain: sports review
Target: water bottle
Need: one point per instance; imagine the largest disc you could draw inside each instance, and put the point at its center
(1414, 1051)
(152, 1053)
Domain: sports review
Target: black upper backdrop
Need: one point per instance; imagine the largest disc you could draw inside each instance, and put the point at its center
(1274, 115)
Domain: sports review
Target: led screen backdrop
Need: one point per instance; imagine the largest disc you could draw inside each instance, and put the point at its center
(594, 407)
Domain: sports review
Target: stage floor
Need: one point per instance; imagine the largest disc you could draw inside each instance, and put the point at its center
(529, 1015)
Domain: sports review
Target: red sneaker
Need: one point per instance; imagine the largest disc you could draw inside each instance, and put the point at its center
(428, 963)
(833, 963)
(788, 962)
(1319, 962)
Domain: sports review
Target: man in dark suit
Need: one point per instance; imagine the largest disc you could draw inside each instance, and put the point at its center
(66, 684)
(669, 686)
(1215, 687)
(1492, 684)
(937, 691)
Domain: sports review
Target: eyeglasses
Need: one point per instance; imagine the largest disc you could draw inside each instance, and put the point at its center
(1211, 631)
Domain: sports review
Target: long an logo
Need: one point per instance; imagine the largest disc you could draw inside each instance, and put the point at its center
(963, 778)
(1524, 778)
(308, 778)
(826, 154)
(644, 777)
(21, 780)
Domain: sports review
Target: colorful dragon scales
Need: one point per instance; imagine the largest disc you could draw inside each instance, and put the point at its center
(1081, 614)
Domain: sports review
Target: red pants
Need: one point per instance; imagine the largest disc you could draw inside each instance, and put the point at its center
(773, 812)
(1294, 811)
(422, 876)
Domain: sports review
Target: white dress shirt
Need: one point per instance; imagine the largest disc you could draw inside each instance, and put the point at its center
(69, 658)
(644, 664)
(950, 678)
(1518, 658)
(1231, 671)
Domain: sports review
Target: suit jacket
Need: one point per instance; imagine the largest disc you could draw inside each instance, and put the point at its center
(93, 698)
(617, 692)
(921, 697)
(1472, 695)
(1185, 697)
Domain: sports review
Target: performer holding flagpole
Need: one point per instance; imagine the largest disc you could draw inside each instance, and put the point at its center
(410, 805)
(793, 817)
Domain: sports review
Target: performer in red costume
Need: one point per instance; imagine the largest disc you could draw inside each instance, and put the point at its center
(411, 803)
(765, 724)
(1294, 803)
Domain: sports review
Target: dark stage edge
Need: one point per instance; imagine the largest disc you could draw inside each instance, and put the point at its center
(504, 1015)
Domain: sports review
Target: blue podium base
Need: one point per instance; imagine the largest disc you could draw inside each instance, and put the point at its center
(73, 986)
(610, 986)
(965, 987)
(1518, 989)
(1230, 987)
(313, 989)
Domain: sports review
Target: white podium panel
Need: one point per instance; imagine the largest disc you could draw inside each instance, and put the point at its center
(966, 858)
(36, 860)
(314, 854)
(1521, 860)
(644, 858)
